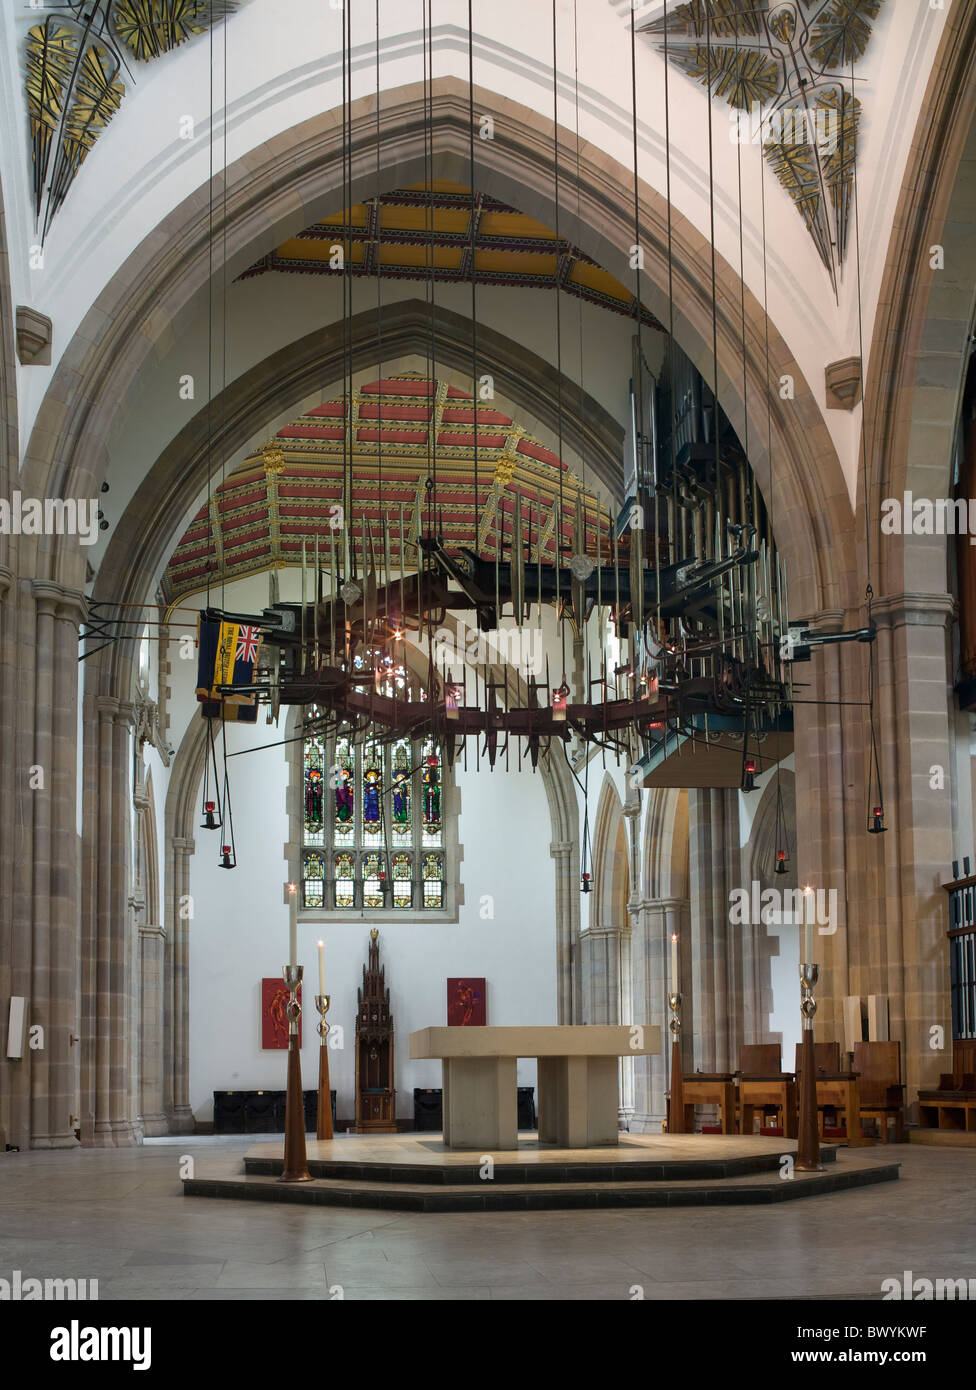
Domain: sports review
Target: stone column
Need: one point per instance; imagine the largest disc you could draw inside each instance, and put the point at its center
(714, 981)
(892, 912)
(632, 819)
(17, 638)
(600, 971)
(566, 854)
(176, 1033)
(654, 921)
(151, 977)
(107, 929)
(56, 886)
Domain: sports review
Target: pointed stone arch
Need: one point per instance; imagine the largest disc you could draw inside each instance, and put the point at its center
(111, 346)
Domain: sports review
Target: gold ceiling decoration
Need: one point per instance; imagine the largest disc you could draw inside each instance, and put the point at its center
(788, 61)
(421, 233)
(74, 86)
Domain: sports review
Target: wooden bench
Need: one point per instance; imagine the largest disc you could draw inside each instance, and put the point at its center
(953, 1105)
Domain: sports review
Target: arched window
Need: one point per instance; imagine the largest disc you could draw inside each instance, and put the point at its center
(374, 837)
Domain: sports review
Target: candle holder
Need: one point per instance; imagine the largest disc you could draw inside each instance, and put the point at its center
(676, 1115)
(323, 1128)
(808, 1137)
(295, 1167)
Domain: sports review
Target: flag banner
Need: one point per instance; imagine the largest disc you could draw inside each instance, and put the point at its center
(228, 655)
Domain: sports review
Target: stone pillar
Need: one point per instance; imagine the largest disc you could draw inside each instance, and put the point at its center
(632, 820)
(892, 912)
(17, 639)
(654, 921)
(52, 779)
(600, 971)
(151, 977)
(176, 1035)
(714, 982)
(566, 855)
(107, 930)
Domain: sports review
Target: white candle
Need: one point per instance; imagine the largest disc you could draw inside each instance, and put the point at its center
(292, 924)
(674, 962)
(321, 967)
(807, 926)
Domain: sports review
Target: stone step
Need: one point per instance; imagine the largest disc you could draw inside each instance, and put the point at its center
(741, 1190)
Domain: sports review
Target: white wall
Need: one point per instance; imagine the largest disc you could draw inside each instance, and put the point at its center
(239, 929)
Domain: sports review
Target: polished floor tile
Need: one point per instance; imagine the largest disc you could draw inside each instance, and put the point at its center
(120, 1216)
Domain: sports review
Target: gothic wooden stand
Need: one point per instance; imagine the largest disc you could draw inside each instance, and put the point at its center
(375, 1093)
(676, 1111)
(808, 1136)
(323, 1128)
(295, 1167)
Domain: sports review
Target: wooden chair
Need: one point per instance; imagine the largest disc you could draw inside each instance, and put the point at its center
(953, 1105)
(764, 1085)
(882, 1092)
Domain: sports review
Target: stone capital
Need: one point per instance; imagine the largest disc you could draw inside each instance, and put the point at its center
(913, 610)
(183, 844)
(59, 601)
(107, 707)
(827, 620)
(593, 933)
(126, 713)
(659, 904)
(560, 848)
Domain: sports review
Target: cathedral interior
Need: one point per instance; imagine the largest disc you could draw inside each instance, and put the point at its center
(488, 651)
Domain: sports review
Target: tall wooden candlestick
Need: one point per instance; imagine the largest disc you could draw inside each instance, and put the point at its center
(808, 1135)
(676, 1115)
(323, 1129)
(295, 1167)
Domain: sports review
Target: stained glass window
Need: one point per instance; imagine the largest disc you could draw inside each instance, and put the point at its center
(433, 880)
(402, 880)
(373, 874)
(345, 885)
(345, 796)
(372, 790)
(432, 793)
(313, 879)
(372, 815)
(402, 820)
(314, 789)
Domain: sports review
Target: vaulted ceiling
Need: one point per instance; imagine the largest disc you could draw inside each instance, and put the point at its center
(417, 233)
(403, 432)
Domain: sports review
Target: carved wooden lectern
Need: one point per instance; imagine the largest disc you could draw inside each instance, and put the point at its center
(375, 1091)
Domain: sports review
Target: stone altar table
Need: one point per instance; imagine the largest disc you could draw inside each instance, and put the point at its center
(578, 1090)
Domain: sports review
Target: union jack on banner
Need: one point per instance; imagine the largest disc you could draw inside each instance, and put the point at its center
(247, 644)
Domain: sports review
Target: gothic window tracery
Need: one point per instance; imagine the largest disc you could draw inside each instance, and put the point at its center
(373, 816)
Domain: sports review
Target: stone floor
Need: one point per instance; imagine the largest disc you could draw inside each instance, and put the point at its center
(119, 1216)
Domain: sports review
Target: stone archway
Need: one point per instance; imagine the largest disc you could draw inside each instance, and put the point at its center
(115, 352)
(111, 348)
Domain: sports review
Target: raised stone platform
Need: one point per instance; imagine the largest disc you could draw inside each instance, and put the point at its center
(415, 1172)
